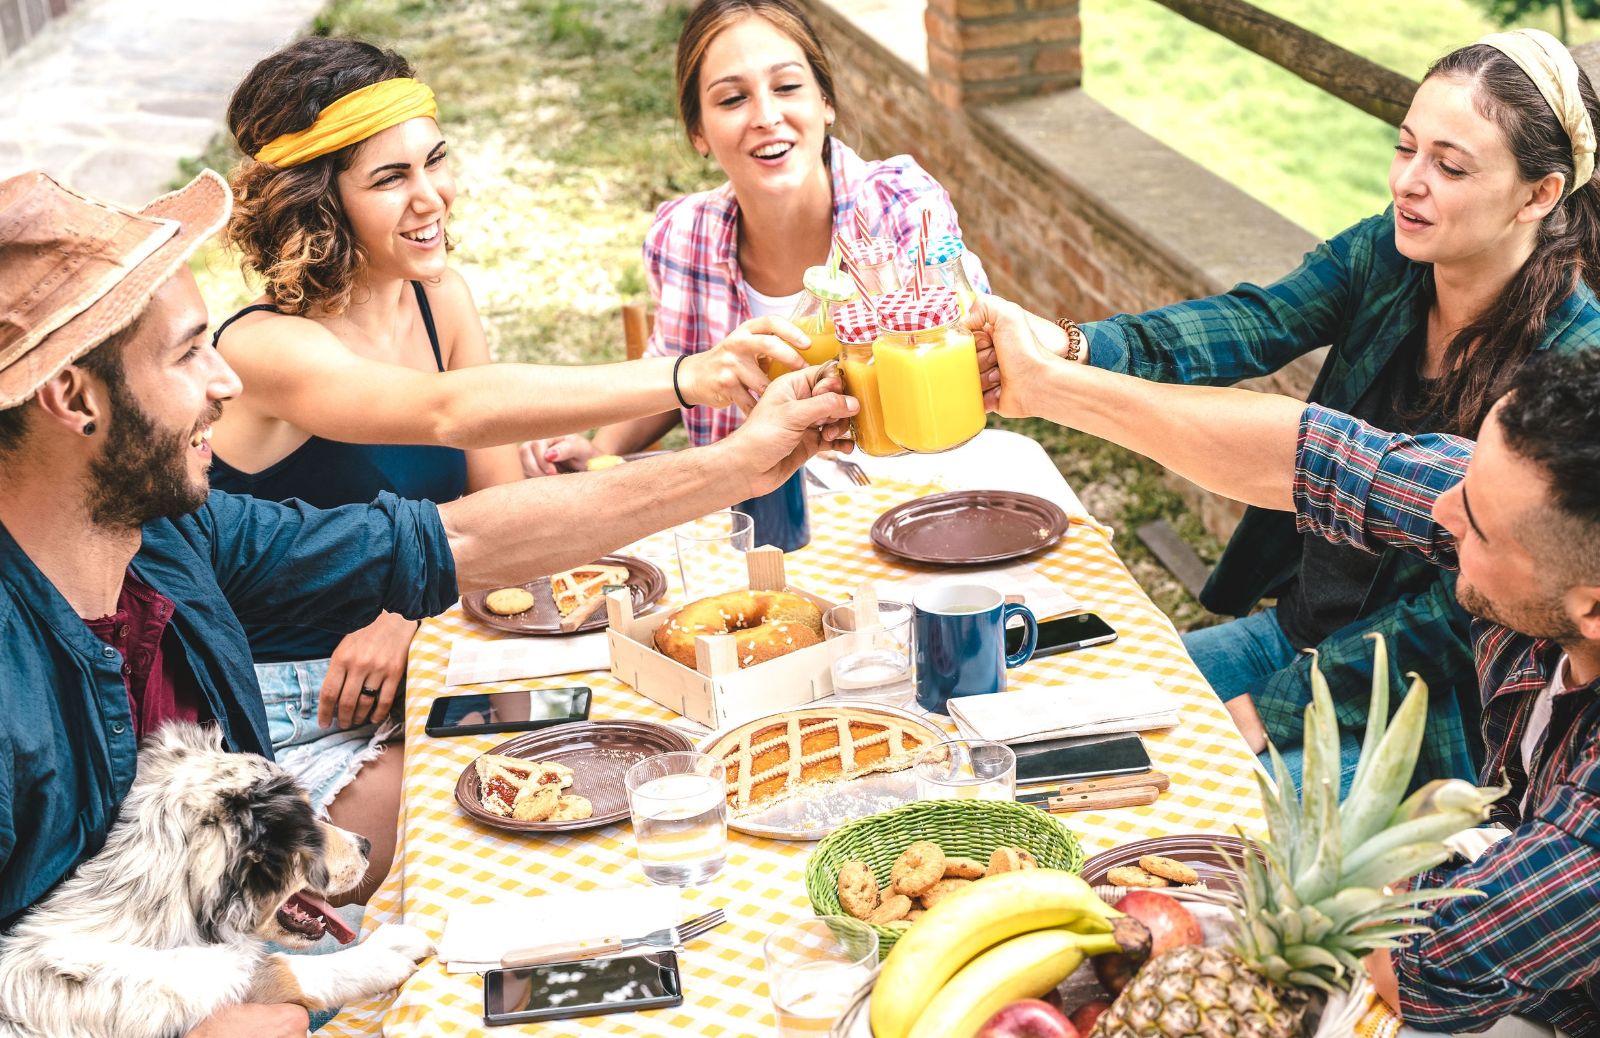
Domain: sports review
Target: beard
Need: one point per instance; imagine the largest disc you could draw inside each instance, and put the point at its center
(142, 473)
(1544, 618)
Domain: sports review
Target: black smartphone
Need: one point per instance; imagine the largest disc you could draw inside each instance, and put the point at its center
(1063, 634)
(507, 711)
(559, 990)
(1068, 760)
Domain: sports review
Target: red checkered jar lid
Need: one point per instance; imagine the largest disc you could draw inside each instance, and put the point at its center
(902, 311)
(872, 252)
(855, 323)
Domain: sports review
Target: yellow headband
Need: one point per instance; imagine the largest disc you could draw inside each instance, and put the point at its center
(1549, 64)
(352, 119)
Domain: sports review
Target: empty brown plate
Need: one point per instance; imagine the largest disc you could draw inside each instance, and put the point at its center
(965, 527)
(599, 754)
(1197, 850)
(645, 580)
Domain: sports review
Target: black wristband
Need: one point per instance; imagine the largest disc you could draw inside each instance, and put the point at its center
(675, 390)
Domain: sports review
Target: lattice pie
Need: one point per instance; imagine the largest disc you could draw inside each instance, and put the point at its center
(574, 587)
(527, 790)
(776, 757)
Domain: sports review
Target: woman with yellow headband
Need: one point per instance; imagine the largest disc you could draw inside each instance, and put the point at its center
(367, 371)
(1488, 255)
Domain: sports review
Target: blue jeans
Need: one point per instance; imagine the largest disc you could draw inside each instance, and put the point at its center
(1238, 656)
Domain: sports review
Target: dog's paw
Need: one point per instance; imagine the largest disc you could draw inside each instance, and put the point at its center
(406, 941)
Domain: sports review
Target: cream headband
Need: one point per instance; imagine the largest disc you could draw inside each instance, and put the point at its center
(1553, 71)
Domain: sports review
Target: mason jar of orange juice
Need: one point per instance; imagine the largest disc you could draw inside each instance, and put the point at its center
(873, 260)
(857, 326)
(823, 293)
(942, 264)
(927, 371)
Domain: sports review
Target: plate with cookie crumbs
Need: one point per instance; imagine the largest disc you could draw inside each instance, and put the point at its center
(1169, 863)
(800, 774)
(548, 605)
(561, 779)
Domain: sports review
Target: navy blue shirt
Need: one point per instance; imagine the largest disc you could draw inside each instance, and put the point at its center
(67, 745)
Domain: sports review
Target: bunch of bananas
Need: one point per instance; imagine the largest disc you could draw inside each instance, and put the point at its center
(1009, 936)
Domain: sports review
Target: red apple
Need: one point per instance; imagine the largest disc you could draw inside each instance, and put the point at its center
(1029, 1018)
(1171, 925)
(1084, 1016)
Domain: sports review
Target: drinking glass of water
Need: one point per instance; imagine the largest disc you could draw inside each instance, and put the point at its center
(871, 652)
(711, 553)
(966, 769)
(814, 966)
(680, 823)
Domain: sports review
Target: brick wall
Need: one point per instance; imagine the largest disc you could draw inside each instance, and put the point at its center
(21, 21)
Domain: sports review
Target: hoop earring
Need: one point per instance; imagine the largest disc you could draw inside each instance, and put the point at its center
(88, 428)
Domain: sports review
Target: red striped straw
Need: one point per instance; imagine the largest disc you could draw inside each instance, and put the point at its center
(862, 231)
(849, 265)
(926, 226)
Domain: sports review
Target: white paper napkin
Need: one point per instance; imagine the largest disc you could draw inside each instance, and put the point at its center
(1130, 704)
(507, 659)
(476, 937)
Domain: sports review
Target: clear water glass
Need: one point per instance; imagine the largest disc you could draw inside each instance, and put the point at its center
(871, 656)
(966, 769)
(680, 817)
(711, 553)
(814, 966)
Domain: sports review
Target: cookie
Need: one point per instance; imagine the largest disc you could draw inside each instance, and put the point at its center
(1010, 859)
(898, 906)
(943, 889)
(962, 868)
(919, 867)
(508, 601)
(572, 808)
(1133, 876)
(915, 914)
(1168, 869)
(536, 803)
(858, 891)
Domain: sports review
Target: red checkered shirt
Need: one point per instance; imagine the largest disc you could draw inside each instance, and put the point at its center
(692, 264)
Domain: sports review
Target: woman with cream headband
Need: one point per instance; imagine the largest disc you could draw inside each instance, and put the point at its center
(366, 370)
(1488, 254)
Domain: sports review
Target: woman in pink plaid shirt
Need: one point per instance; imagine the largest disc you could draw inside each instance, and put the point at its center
(756, 92)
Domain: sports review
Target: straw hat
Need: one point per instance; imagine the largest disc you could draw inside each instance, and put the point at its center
(75, 271)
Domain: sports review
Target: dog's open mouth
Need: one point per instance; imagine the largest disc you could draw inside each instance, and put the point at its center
(308, 915)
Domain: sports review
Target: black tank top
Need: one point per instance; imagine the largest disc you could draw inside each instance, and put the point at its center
(326, 474)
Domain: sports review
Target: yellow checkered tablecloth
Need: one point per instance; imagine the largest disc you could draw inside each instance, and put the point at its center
(445, 858)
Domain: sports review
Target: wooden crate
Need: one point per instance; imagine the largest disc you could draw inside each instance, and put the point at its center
(717, 692)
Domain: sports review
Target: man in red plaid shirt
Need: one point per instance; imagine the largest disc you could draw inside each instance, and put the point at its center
(1519, 515)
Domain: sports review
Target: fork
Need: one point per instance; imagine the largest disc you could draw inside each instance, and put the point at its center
(667, 937)
(855, 473)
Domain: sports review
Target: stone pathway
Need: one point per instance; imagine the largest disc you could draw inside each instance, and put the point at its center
(109, 98)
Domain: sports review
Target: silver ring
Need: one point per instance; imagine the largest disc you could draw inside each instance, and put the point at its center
(369, 692)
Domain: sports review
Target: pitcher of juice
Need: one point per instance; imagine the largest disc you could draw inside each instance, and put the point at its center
(942, 265)
(813, 314)
(857, 326)
(873, 259)
(927, 371)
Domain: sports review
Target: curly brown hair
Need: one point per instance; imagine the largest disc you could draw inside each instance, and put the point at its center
(288, 222)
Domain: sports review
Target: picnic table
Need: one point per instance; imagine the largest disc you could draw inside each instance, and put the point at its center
(445, 858)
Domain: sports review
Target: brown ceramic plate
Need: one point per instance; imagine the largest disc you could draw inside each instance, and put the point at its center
(1197, 850)
(599, 754)
(645, 580)
(966, 527)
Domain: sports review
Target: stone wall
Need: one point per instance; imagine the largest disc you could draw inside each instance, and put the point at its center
(21, 21)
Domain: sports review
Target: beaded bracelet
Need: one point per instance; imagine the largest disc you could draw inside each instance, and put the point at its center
(1076, 341)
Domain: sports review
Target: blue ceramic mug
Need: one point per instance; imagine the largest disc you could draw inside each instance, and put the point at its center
(961, 642)
(782, 518)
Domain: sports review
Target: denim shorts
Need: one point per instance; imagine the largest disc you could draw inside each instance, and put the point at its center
(323, 759)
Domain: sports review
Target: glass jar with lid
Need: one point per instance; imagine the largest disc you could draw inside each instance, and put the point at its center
(857, 326)
(824, 291)
(873, 261)
(942, 265)
(927, 366)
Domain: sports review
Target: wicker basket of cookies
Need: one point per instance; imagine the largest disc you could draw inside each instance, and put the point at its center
(889, 868)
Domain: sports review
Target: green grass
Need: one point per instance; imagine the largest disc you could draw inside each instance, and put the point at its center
(1303, 152)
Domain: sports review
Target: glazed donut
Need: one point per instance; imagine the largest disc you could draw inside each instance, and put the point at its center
(766, 624)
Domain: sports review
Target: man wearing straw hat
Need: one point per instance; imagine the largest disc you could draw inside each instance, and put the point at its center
(123, 579)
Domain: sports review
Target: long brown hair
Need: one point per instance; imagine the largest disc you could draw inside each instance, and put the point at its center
(711, 17)
(1494, 346)
(288, 221)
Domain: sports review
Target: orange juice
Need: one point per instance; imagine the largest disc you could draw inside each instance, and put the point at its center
(825, 290)
(857, 328)
(824, 344)
(927, 372)
(943, 266)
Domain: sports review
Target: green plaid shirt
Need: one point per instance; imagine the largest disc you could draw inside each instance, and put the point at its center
(1357, 295)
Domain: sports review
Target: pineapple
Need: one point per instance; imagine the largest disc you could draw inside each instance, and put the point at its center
(1314, 902)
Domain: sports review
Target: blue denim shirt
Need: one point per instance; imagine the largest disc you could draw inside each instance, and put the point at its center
(67, 747)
